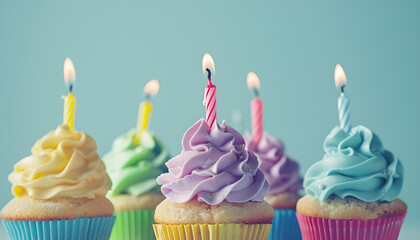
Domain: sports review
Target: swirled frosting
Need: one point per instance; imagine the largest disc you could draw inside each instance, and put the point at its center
(134, 168)
(281, 172)
(213, 167)
(355, 165)
(63, 164)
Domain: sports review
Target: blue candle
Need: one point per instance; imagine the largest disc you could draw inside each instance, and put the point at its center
(343, 101)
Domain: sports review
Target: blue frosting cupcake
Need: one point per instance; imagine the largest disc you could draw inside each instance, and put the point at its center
(352, 192)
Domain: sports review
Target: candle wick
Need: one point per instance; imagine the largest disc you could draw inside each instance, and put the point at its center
(342, 89)
(147, 96)
(208, 75)
(255, 90)
(71, 88)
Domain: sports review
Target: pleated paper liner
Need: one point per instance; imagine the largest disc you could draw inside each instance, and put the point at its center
(232, 231)
(337, 229)
(71, 229)
(133, 225)
(285, 225)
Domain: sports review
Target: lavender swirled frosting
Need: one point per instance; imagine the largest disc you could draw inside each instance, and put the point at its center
(281, 172)
(213, 167)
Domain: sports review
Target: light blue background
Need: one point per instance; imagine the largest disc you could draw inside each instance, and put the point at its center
(292, 45)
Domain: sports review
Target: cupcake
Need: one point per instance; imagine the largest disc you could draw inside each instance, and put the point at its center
(282, 174)
(352, 192)
(214, 189)
(59, 191)
(135, 193)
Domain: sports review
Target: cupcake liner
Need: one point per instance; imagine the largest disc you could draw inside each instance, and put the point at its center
(133, 225)
(336, 229)
(285, 225)
(234, 231)
(71, 229)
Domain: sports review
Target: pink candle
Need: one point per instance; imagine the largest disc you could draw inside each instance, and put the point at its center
(257, 119)
(210, 102)
(256, 108)
(210, 91)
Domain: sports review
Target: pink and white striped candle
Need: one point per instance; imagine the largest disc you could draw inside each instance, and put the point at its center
(210, 91)
(210, 103)
(257, 119)
(256, 108)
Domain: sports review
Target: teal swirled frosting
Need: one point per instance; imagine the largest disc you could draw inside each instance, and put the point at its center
(355, 165)
(133, 168)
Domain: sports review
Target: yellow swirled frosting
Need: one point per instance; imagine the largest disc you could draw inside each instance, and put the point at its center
(63, 164)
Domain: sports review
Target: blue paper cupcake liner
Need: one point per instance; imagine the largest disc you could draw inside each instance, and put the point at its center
(71, 229)
(285, 225)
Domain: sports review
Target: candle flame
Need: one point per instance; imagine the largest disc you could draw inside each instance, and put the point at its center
(208, 63)
(339, 77)
(69, 72)
(252, 81)
(151, 88)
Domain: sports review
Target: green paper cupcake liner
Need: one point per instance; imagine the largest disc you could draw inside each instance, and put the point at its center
(134, 225)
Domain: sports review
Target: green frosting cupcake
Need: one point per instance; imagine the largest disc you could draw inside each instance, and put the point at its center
(134, 168)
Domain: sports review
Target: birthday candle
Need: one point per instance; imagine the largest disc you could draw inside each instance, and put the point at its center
(343, 101)
(256, 108)
(145, 108)
(69, 100)
(210, 91)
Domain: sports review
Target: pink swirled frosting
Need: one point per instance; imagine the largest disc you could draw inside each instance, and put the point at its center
(281, 172)
(213, 167)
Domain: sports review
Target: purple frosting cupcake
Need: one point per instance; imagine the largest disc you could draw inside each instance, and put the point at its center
(282, 173)
(213, 188)
(213, 166)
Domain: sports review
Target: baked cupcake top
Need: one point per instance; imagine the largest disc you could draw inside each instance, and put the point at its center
(355, 165)
(134, 168)
(63, 164)
(281, 172)
(213, 167)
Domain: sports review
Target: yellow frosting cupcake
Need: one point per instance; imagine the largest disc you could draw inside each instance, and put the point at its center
(63, 179)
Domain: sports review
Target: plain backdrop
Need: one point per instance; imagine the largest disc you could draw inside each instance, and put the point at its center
(293, 46)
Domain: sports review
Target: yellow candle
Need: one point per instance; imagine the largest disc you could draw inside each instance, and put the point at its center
(69, 109)
(145, 109)
(69, 100)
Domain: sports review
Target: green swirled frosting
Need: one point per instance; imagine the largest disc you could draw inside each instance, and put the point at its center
(355, 165)
(133, 168)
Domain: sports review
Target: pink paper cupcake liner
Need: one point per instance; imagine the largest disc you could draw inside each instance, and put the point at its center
(313, 228)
